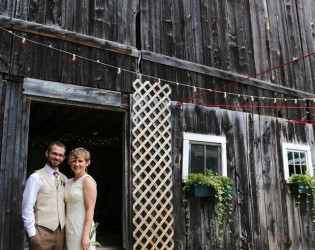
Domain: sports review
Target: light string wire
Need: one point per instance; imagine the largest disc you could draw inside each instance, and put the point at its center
(244, 79)
(247, 106)
(24, 40)
(209, 90)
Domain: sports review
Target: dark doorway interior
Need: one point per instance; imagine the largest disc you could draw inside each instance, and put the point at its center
(100, 132)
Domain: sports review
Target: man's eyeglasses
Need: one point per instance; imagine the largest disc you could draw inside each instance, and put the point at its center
(56, 154)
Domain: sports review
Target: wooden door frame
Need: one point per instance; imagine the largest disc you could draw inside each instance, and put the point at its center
(81, 96)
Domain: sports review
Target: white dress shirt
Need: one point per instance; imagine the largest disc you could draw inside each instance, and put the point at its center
(32, 187)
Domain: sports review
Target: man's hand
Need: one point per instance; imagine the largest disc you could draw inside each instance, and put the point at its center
(32, 238)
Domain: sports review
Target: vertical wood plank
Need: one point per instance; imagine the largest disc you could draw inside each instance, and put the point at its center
(3, 90)
(179, 203)
(17, 60)
(7, 7)
(13, 164)
(257, 14)
(5, 48)
(306, 19)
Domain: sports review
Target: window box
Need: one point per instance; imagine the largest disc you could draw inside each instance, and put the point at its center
(211, 185)
(198, 190)
(300, 188)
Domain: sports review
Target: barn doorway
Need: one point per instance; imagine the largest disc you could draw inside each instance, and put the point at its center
(101, 132)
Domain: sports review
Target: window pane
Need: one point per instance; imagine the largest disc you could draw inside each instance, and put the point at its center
(303, 158)
(213, 157)
(196, 158)
(297, 162)
(291, 169)
(303, 168)
(290, 158)
(296, 158)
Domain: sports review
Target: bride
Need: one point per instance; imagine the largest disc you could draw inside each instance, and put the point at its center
(80, 198)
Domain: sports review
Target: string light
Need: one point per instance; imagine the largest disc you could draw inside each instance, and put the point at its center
(225, 96)
(252, 98)
(94, 140)
(295, 101)
(119, 70)
(159, 80)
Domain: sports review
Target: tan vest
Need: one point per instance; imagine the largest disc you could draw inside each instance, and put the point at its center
(50, 205)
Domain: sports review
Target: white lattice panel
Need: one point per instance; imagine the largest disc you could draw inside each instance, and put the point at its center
(152, 172)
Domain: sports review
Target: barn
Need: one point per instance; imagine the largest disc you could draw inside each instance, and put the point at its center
(150, 88)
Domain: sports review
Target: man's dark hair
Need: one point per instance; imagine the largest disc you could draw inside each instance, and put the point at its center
(57, 143)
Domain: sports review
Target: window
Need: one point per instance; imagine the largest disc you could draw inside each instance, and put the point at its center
(296, 159)
(203, 152)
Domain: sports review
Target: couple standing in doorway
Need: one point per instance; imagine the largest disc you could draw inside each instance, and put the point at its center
(57, 211)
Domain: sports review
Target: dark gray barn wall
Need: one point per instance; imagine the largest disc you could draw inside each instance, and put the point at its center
(238, 36)
(246, 37)
(252, 226)
(264, 215)
(14, 130)
(39, 62)
(186, 94)
(110, 20)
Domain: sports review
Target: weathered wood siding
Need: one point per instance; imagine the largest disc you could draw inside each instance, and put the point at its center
(246, 37)
(14, 117)
(39, 62)
(110, 20)
(215, 40)
(264, 216)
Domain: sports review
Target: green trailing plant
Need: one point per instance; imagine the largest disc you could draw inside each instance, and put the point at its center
(92, 233)
(306, 179)
(306, 186)
(222, 186)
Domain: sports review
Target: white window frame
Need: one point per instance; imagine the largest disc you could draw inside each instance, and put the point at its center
(296, 147)
(206, 139)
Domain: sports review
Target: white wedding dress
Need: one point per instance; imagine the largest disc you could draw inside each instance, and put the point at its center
(75, 214)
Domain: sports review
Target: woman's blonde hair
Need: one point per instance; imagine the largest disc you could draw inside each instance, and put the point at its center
(79, 152)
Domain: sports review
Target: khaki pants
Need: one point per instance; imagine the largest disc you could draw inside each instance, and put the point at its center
(45, 239)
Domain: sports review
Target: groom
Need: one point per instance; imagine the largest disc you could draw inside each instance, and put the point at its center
(43, 207)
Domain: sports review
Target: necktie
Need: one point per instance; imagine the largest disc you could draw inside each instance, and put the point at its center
(56, 179)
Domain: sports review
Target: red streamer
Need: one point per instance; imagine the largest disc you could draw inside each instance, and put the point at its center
(244, 79)
(301, 122)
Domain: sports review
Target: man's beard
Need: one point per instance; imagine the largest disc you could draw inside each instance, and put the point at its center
(51, 164)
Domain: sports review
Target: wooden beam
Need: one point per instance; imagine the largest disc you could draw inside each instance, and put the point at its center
(48, 31)
(198, 68)
(60, 92)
